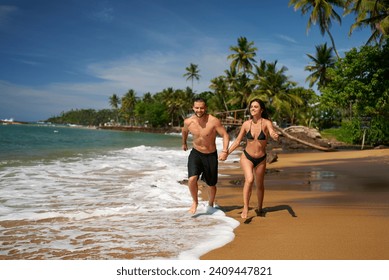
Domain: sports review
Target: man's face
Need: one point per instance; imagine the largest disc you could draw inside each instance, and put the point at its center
(199, 109)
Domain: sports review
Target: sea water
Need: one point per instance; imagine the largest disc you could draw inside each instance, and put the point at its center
(76, 193)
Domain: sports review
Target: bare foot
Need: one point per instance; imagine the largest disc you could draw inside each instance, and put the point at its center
(260, 213)
(193, 209)
(244, 213)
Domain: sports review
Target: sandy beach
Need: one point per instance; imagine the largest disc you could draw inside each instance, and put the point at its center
(320, 206)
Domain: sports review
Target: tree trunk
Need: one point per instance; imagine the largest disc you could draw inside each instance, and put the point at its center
(333, 42)
(303, 142)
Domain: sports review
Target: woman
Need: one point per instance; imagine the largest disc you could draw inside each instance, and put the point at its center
(253, 159)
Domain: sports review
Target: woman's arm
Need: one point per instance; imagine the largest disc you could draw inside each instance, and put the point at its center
(238, 139)
(272, 132)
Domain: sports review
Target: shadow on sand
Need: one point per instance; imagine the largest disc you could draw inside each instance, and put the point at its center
(266, 210)
(262, 213)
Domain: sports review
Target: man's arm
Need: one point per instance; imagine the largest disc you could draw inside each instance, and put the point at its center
(184, 133)
(226, 139)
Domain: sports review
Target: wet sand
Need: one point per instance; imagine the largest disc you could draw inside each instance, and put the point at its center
(320, 206)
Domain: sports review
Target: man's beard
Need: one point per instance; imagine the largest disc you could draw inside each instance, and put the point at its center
(199, 115)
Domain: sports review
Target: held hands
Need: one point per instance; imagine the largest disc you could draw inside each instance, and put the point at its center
(223, 156)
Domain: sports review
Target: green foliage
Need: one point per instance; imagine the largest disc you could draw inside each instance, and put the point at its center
(152, 114)
(326, 117)
(340, 134)
(305, 110)
(322, 61)
(377, 131)
(84, 117)
(359, 88)
(351, 132)
(371, 14)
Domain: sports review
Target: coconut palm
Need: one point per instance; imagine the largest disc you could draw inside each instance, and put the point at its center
(220, 89)
(186, 98)
(322, 60)
(273, 87)
(114, 101)
(231, 79)
(178, 102)
(243, 55)
(321, 11)
(192, 73)
(128, 105)
(244, 89)
(373, 13)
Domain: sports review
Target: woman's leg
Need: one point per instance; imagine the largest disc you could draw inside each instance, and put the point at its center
(247, 167)
(259, 182)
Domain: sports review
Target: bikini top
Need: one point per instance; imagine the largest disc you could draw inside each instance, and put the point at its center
(261, 135)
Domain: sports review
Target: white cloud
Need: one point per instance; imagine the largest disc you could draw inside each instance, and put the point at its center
(286, 38)
(154, 71)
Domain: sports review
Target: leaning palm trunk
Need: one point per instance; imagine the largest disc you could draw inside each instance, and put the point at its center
(287, 135)
(333, 43)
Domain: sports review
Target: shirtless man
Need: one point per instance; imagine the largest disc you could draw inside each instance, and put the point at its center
(203, 158)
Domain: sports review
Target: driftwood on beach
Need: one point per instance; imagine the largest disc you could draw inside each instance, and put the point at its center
(295, 138)
(309, 133)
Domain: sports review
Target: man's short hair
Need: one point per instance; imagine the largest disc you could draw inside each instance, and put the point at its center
(200, 99)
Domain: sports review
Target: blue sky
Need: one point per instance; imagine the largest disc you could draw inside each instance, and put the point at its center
(61, 55)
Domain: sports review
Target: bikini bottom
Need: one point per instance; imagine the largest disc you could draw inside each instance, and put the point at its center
(255, 161)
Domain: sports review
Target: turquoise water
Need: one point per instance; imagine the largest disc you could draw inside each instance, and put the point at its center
(76, 193)
(26, 142)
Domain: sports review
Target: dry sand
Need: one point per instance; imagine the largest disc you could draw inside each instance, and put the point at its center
(321, 206)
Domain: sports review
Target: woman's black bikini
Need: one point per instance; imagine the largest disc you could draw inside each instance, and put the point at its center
(249, 136)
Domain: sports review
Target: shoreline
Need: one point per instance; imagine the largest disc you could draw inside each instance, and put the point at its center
(142, 129)
(320, 206)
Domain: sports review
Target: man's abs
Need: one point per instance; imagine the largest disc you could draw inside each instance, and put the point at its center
(205, 149)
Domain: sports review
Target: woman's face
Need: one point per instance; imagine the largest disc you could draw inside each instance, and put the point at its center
(255, 109)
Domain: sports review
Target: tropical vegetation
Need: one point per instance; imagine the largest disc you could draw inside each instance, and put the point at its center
(349, 93)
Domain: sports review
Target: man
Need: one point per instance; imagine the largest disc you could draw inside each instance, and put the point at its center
(203, 158)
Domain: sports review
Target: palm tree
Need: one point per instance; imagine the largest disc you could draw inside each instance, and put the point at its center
(243, 56)
(185, 102)
(220, 88)
(373, 13)
(114, 101)
(243, 90)
(176, 101)
(322, 11)
(128, 105)
(273, 87)
(192, 73)
(321, 62)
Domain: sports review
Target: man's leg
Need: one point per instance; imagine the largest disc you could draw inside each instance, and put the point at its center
(194, 189)
(211, 195)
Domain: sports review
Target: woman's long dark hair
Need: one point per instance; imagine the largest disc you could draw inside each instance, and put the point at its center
(264, 115)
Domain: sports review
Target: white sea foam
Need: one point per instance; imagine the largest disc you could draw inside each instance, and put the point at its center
(125, 202)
